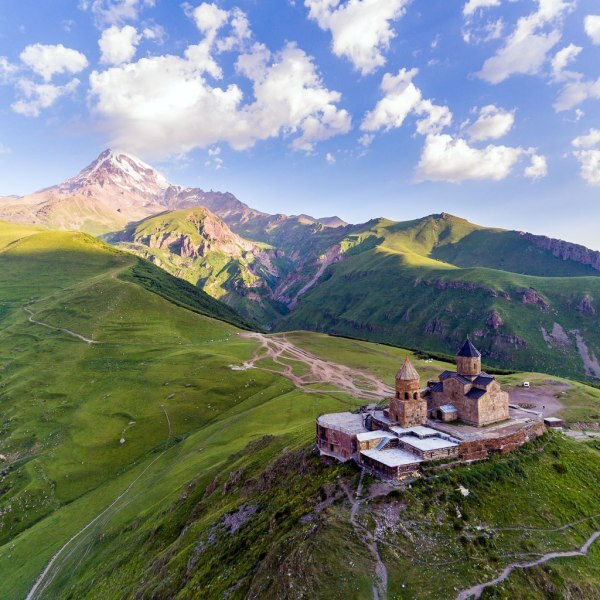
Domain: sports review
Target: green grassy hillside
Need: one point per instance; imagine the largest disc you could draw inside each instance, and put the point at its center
(393, 287)
(175, 475)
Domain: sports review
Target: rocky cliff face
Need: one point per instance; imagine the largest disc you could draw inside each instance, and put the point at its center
(565, 250)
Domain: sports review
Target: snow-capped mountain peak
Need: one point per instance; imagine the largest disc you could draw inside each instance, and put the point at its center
(114, 169)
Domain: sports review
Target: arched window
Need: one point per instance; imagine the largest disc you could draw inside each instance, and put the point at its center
(415, 395)
(406, 396)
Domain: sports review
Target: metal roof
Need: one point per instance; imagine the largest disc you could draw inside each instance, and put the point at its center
(392, 457)
(475, 394)
(469, 350)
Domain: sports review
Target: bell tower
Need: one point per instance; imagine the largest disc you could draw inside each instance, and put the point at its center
(407, 408)
(468, 360)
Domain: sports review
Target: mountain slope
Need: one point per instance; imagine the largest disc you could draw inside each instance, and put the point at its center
(195, 245)
(392, 286)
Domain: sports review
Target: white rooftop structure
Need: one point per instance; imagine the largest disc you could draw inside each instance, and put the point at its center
(345, 422)
(373, 435)
(448, 408)
(428, 443)
(393, 457)
(420, 431)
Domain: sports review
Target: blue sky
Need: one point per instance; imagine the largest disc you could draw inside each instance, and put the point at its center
(487, 109)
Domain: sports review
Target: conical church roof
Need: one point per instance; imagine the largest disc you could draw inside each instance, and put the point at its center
(469, 350)
(407, 372)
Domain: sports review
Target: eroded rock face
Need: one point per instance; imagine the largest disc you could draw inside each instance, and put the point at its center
(435, 327)
(494, 321)
(530, 296)
(586, 305)
(565, 250)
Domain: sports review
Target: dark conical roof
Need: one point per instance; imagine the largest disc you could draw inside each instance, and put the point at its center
(407, 372)
(468, 350)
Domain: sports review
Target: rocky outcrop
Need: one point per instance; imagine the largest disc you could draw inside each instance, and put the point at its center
(586, 305)
(435, 327)
(468, 286)
(565, 250)
(558, 336)
(494, 320)
(530, 296)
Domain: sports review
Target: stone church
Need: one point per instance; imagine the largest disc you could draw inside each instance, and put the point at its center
(467, 394)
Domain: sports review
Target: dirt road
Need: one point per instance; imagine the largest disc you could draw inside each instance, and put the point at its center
(283, 352)
(48, 326)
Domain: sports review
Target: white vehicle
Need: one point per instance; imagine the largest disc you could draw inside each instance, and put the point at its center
(526, 384)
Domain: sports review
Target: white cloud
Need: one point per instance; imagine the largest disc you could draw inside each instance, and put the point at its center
(589, 161)
(38, 96)
(589, 140)
(562, 59)
(472, 6)
(209, 19)
(366, 139)
(330, 158)
(538, 167)
(50, 60)
(361, 29)
(163, 105)
(526, 48)
(7, 70)
(118, 45)
(592, 28)
(4, 149)
(402, 97)
(576, 92)
(492, 123)
(115, 12)
(446, 158)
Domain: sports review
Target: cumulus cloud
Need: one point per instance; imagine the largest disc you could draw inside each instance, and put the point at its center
(401, 97)
(361, 30)
(588, 140)
(115, 12)
(118, 45)
(49, 60)
(589, 162)
(448, 158)
(526, 48)
(445, 158)
(330, 158)
(472, 6)
(562, 59)
(576, 92)
(491, 124)
(592, 28)
(38, 96)
(589, 159)
(164, 105)
(7, 70)
(538, 167)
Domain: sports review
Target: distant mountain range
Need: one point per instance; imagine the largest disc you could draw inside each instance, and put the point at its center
(529, 301)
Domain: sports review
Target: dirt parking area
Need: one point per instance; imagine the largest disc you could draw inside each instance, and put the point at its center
(539, 396)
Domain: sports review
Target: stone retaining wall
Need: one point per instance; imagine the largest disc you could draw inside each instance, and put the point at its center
(484, 447)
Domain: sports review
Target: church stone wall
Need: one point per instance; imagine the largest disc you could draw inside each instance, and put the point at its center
(493, 407)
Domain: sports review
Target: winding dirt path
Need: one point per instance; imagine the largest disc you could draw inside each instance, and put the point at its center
(48, 326)
(477, 590)
(82, 537)
(381, 584)
(281, 351)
